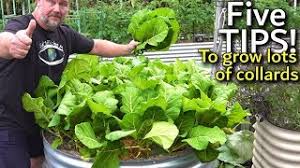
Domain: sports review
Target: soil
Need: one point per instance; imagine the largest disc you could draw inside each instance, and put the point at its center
(134, 151)
(153, 152)
(68, 148)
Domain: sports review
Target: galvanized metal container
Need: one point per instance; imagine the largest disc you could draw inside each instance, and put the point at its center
(58, 159)
(275, 147)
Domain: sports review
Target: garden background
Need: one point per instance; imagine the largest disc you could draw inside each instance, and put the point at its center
(109, 19)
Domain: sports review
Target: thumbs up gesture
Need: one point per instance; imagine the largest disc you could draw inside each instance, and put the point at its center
(21, 42)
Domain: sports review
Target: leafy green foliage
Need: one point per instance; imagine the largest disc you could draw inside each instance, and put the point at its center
(199, 137)
(208, 154)
(163, 133)
(104, 102)
(42, 113)
(155, 30)
(196, 16)
(106, 160)
(116, 135)
(106, 108)
(85, 133)
(238, 148)
(103, 20)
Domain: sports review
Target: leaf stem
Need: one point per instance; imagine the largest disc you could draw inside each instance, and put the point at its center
(138, 147)
(178, 147)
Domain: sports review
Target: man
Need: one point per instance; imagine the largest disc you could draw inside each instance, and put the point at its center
(31, 46)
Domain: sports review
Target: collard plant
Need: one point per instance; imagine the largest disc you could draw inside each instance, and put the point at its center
(155, 30)
(133, 108)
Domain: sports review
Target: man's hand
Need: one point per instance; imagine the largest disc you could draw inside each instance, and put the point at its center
(21, 42)
(131, 46)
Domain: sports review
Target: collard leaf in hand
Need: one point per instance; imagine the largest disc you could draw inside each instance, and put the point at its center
(155, 30)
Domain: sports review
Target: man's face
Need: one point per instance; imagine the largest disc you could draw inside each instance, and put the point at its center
(52, 12)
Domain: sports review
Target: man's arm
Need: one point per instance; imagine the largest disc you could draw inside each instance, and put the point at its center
(111, 49)
(5, 42)
(16, 45)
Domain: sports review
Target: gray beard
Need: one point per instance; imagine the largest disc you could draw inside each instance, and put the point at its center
(50, 25)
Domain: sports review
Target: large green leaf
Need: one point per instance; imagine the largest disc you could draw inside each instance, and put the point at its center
(107, 69)
(44, 84)
(32, 104)
(225, 92)
(131, 100)
(131, 121)
(163, 133)
(42, 113)
(215, 134)
(212, 118)
(202, 82)
(106, 160)
(181, 71)
(116, 135)
(145, 83)
(236, 115)
(145, 128)
(200, 137)
(156, 30)
(92, 60)
(55, 120)
(78, 88)
(219, 105)
(152, 32)
(86, 135)
(104, 102)
(68, 103)
(185, 123)
(142, 77)
(199, 105)
(138, 71)
(136, 20)
(209, 113)
(47, 90)
(155, 102)
(172, 36)
(156, 114)
(80, 113)
(169, 17)
(209, 154)
(198, 143)
(238, 148)
(173, 99)
(76, 69)
(101, 123)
